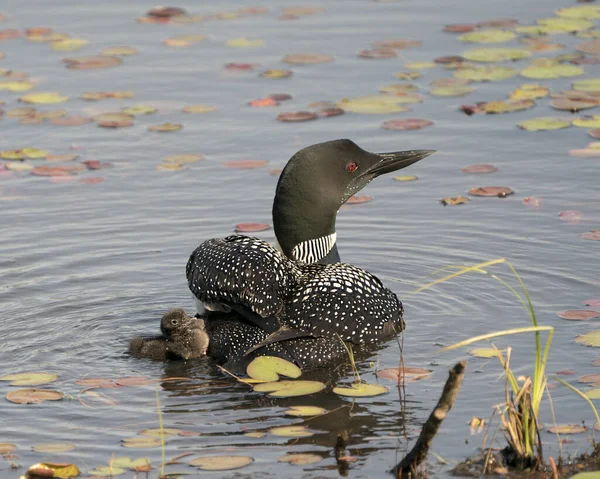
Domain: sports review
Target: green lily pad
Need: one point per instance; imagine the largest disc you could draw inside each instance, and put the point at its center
(588, 34)
(107, 471)
(566, 429)
(268, 368)
(565, 25)
(485, 73)
(485, 353)
(589, 339)
(44, 98)
(488, 36)
(544, 123)
(506, 106)
(141, 442)
(361, 390)
(398, 88)
(290, 388)
(291, 431)
(221, 463)
(301, 459)
(305, 411)
(529, 91)
(53, 447)
(30, 379)
(139, 110)
(158, 432)
(451, 90)
(587, 85)
(548, 69)
(588, 12)
(133, 464)
(587, 122)
(255, 434)
(496, 54)
(533, 29)
(373, 104)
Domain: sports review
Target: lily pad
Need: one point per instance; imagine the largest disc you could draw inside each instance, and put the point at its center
(33, 396)
(139, 465)
(593, 393)
(378, 53)
(183, 159)
(44, 98)
(291, 431)
(592, 47)
(566, 429)
(92, 62)
(221, 463)
(303, 411)
(594, 303)
(290, 388)
(357, 200)
(54, 447)
(301, 459)
(119, 51)
(587, 122)
(56, 170)
(451, 90)
(141, 442)
(454, 200)
(165, 127)
(546, 69)
(107, 471)
(134, 381)
(589, 379)
(589, 339)
(488, 36)
(245, 42)
(485, 353)
(405, 178)
(306, 58)
(139, 110)
(245, 164)
(398, 44)
(361, 390)
(544, 123)
(96, 383)
(500, 191)
(572, 105)
(158, 432)
(269, 368)
(587, 85)
(496, 54)
(255, 434)
(589, 12)
(74, 120)
(50, 469)
(406, 124)
(276, 73)
(593, 235)
(16, 86)
(420, 65)
(565, 25)
(297, 116)
(374, 104)
(185, 40)
(199, 109)
(478, 169)
(7, 447)
(410, 374)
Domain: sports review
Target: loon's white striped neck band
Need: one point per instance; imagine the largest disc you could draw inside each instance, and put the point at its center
(313, 250)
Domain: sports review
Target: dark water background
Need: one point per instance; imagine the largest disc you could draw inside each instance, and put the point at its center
(83, 267)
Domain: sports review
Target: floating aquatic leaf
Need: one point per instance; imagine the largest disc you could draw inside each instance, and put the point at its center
(488, 36)
(291, 431)
(589, 339)
(593, 235)
(571, 216)
(410, 374)
(532, 202)
(50, 469)
(18, 166)
(307, 58)
(507, 106)
(165, 127)
(241, 66)
(485, 352)
(139, 110)
(221, 463)
(268, 368)
(496, 54)
(253, 228)
(184, 40)
(276, 73)
(16, 86)
(92, 63)
(68, 44)
(499, 23)
(589, 12)
(566, 429)
(96, 382)
(33, 396)
(290, 388)
(485, 73)
(397, 44)
(454, 200)
(303, 411)
(592, 150)
(461, 27)
(297, 116)
(361, 390)
(183, 159)
(53, 447)
(255, 434)
(398, 88)
(280, 96)
(158, 432)
(539, 45)
(449, 60)
(378, 53)
(500, 191)
(7, 448)
(20, 112)
(405, 178)
(245, 164)
(587, 121)
(587, 85)
(451, 90)
(408, 75)
(139, 465)
(544, 68)
(56, 170)
(107, 471)
(566, 25)
(44, 98)
(356, 200)
(594, 303)
(301, 459)
(406, 124)
(141, 442)
(420, 65)
(199, 109)
(589, 378)
(477, 169)
(104, 95)
(245, 43)
(572, 105)
(263, 102)
(119, 51)
(29, 379)
(544, 123)
(134, 381)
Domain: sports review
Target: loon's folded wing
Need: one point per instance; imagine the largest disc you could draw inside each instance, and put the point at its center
(241, 271)
(345, 300)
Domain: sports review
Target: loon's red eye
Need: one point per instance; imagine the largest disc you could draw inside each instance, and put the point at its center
(352, 167)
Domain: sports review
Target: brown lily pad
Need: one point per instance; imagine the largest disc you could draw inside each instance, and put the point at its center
(280, 96)
(454, 200)
(410, 374)
(251, 227)
(297, 116)
(566, 429)
(245, 164)
(165, 12)
(593, 235)
(134, 381)
(592, 47)
(571, 216)
(477, 169)
(461, 28)
(572, 105)
(500, 191)
(406, 124)
(589, 378)
(578, 314)
(70, 120)
(92, 62)
(56, 170)
(96, 383)
(378, 53)
(594, 303)
(33, 396)
(397, 44)
(165, 127)
(307, 58)
(242, 67)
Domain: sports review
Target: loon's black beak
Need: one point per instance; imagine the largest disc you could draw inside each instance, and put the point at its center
(396, 161)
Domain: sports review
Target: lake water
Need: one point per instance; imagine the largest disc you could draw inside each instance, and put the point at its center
(84, 267)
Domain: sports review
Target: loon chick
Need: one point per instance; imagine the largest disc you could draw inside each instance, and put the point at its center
(183, 338)
(304, 290)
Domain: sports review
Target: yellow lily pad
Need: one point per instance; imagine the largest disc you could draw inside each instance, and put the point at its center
(507, 106)
(221, 463)
(44, 98)
(7, 447)
(373, 104)
(405, 178)
(245, 43)
(19, 166)
(420, 65)
(305, 411)
(68, 44)
(485, 353)
(587, 122)
(529, 91)
(361, 390)
(398, 88)
(588, 12)
(566, 429)
(589, 339)
(16, 85)
(593, 393)
(496, 54)
(484, 72)
(455, 90)
(141, 442)
(29, 379)
(588, 85)
(544, 123)
(488, 36)
(255, 434)
(548, 69)
(183, 159)
(166, 127)
(53, 447)
(199, 108)
(290, 388)
(301, 459)
(291, 431)
(107, 471)
(139, 110)
(588, 34)
(268, 368)
(63, 471)
(185, 40)
(170, 167)
(533, 29)
(119, 51)
(565, 25)
(157, 432)
(276, 73)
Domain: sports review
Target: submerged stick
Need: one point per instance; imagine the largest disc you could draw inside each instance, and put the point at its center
(407, 467)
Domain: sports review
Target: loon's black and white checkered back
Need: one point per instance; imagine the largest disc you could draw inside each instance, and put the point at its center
(241, 270)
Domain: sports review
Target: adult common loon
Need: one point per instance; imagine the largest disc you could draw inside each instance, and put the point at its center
(303, 290)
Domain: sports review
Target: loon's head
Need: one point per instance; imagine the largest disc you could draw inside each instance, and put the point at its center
(313, 186)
